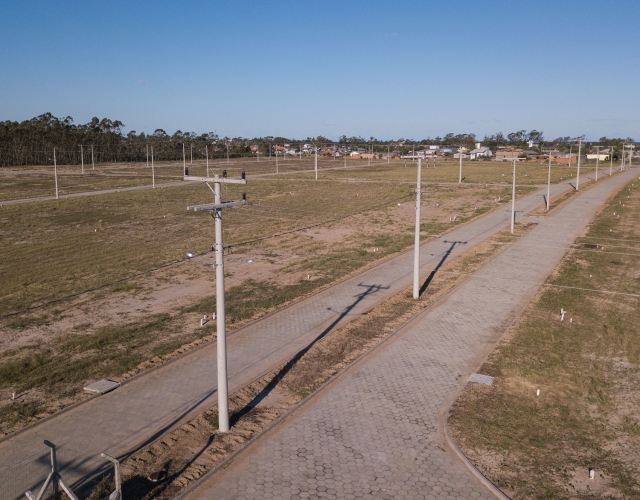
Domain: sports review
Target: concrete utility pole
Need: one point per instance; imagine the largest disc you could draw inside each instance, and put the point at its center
(316, 148)
(147, 147)
(549, 183)
(227, 143)
(460, 155)
(578, 176)
(206, 149)
(513, 198)
(276, 158)
(300, 151)
(93, 165)
(215, 209)
(184, 161)
(570, 153)
(82, 158)
(388, 154)
(597, 160)
(416, 251)
(631, 147)
(55, 172)
(622, 163)
(611, 160)
(153, 170)
(191, 160)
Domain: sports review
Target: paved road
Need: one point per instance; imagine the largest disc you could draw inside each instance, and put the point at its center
(377, 432)
(140, 411)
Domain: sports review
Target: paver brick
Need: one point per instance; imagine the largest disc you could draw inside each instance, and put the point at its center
(387, 409)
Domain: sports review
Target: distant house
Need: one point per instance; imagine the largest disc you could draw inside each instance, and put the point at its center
(531, 154)
(354, 154)
(508, 153)
(480, 152)
(533, 144)
(601, 155)
(308, 149)
(464, 156)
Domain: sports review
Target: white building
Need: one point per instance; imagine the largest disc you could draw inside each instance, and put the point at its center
(480, 152)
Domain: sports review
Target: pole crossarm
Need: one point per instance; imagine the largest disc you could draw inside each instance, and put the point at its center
(223, 180)
(212, 207)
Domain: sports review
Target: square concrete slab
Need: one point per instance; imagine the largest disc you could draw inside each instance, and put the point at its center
(481, 379)
(102, 386)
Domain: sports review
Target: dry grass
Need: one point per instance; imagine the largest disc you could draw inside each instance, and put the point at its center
(587, 370)
(196, 447)
(54, 249)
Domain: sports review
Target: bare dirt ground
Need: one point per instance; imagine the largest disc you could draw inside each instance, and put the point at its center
(49, 354)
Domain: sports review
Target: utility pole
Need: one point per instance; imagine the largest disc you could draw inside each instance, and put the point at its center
(184, 162)
(570, 153)
(460, 155)
(611, 160)
(93, 165)
(578, 177)
(276, 158)
(316, 148)
(191, 160)
(82, 158)
(147, 147)
(215, 209)
(227, 143)
(513, 198)
(206, 149)
(416, 251)
(388, 154)
(631, 146)
(597, 160)
(622, 164)
(55, 172)
(549, 183)
(153, 170)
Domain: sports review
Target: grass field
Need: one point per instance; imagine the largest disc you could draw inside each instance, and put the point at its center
(587, 368)
(33, 182)
(56, 248)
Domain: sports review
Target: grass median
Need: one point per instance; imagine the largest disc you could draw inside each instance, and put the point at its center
(587, 368)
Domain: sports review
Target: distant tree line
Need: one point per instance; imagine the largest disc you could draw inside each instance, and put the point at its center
(32, 142)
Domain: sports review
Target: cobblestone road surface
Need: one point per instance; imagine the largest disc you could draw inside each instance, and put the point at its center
(377, 432)
(140, 411)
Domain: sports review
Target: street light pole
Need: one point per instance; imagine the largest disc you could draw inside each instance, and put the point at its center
(549, 183)
(610, 159)
(578, 176)
(513, 198)
(416, 252)
(153, 170)
(215, 209)
(55, 172)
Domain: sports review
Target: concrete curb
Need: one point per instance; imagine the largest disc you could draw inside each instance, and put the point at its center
(383, 261)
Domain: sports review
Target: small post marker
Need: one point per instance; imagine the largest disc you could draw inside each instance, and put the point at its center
(592, 473)
(562, 313)
(537, 392)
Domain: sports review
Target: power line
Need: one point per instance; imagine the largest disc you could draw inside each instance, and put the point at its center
(142, 273)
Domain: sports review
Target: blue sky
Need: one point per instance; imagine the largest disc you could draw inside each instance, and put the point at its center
(385, 69)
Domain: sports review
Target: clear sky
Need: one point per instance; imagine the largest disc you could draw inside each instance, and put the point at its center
(407, 69)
